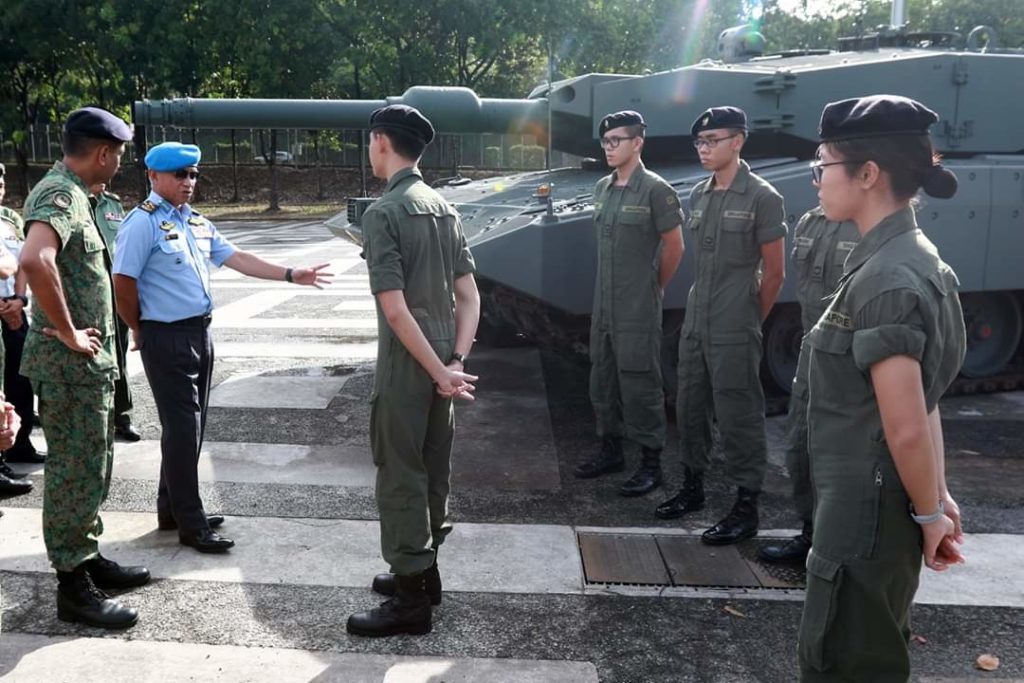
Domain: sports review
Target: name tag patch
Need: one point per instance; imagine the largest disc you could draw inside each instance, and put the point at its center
(732, 213)
(846, 246)
(636, 209)
(805, 241)
(111, 216)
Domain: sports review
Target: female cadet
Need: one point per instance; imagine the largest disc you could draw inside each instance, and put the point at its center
(887, 347)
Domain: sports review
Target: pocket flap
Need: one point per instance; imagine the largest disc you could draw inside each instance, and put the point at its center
(822, 567)
(730, 338)
(830, 339)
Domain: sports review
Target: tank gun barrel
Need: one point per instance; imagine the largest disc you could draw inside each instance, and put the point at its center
(450, 109)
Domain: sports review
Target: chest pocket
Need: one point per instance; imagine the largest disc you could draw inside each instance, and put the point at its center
(91, 240)
(829, 339)
(842, 250)
(736, 237)
(173, 251)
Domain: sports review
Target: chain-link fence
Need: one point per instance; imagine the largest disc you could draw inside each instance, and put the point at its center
(315, 148)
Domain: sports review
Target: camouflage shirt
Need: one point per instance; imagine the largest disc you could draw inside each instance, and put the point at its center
(61, 200)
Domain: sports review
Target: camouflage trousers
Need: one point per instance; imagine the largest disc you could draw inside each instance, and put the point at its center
(79, 424)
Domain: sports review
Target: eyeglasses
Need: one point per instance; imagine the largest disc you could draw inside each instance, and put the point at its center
(182, 174)
(613, 141)
(817, 167)
(710, 143)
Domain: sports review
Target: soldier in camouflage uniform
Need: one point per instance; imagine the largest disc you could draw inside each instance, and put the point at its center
(109, 211)
(69, 355)
(820, 248)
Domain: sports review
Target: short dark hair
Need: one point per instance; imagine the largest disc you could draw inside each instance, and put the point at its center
(909, 160)
(405, 144)
(79, 145)
(636, 131)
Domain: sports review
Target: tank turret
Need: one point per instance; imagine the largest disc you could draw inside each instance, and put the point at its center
(537, 264)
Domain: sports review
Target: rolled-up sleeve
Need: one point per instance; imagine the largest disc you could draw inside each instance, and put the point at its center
(665, 207)
(888, 325)
(383, 258)
(771, 218)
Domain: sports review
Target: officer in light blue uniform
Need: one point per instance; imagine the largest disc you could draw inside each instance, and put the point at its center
(162, 285)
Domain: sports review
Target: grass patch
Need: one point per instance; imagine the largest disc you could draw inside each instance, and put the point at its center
(254, 211)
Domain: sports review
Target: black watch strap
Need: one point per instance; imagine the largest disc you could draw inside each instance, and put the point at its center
(459, 357)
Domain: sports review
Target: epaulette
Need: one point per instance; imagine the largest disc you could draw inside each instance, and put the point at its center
(147, 206)
(112, 195)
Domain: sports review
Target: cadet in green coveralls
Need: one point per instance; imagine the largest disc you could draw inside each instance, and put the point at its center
(421, 273)
(69, 356)
(889, 344)
(109, 212)
(640, 243)
(820, 247)
(736, 230)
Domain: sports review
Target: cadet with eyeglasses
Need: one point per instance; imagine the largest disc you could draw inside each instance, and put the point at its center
(736, 229)
(640, 244)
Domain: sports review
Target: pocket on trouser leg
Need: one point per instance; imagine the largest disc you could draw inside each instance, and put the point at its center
(634, 351)
(816, 648)
(376, 447)
(731, 361)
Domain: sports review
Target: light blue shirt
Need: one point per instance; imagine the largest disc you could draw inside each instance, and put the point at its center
(168, 252)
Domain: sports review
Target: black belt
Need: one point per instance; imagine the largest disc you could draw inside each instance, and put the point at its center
(201, 321)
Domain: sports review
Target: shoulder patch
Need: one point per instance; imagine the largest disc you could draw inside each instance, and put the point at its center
(838, 319)
(148, 206)
(167, 226)
(61, 200)
(672, 199)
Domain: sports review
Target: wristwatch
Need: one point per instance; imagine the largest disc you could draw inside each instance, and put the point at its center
(459, 357)
(928, 519)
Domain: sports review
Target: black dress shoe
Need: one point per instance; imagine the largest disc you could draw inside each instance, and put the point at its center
(169, 523)
(793, 551)
(13, 487)
(689, 499)
(126, 432)
(109, 574)
(79, 600)
(387, 584)
(407, 612)
(739, 524)
(207, 541)
(26, 454)
(609, 460)
(6, 471)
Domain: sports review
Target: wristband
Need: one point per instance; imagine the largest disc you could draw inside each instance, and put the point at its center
(928, 519)
(459, 357)
(288, 275)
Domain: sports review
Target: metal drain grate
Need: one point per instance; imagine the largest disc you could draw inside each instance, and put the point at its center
(668, 560)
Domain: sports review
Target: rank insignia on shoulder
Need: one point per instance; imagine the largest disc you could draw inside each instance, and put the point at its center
(148, 206)
(167, 225)
(61, 200)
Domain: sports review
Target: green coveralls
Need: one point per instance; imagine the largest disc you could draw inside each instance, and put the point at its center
(820, 248)
(625, 328)
(76, 392)
(413, 241)
(720, 343)
(109, 212)
(896, 297)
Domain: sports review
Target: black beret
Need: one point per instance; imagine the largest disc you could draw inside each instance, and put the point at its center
(874, 116)
(405, 118)
(619, 119)
(719, 117)
(93, 122)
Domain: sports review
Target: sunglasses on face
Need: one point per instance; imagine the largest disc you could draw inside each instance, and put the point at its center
(182, 174)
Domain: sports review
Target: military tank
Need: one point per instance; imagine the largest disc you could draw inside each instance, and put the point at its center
(532, 233)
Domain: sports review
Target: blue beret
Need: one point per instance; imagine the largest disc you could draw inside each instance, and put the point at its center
(874, 116)
(93, 122)
(719, 117)
(405, 118)
(619, 119)
(172, 156)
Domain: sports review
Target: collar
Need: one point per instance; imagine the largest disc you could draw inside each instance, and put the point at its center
(634, 180)
(739, 183)
(891, 226)
(59, 167)
(402, 175)
(185, 211)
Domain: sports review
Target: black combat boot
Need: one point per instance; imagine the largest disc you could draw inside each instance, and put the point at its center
(647, 477)
(407, 612)
(385, 584)
(609, 460)
(739, 524)
(109, 574)
(78, 599)
(793, 551)
(689, 499)
(9, 486)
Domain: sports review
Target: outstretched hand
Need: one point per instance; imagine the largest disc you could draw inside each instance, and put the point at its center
(314, 276)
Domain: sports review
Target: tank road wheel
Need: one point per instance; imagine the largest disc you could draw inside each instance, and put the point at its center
(782, 335)
(994, 326)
